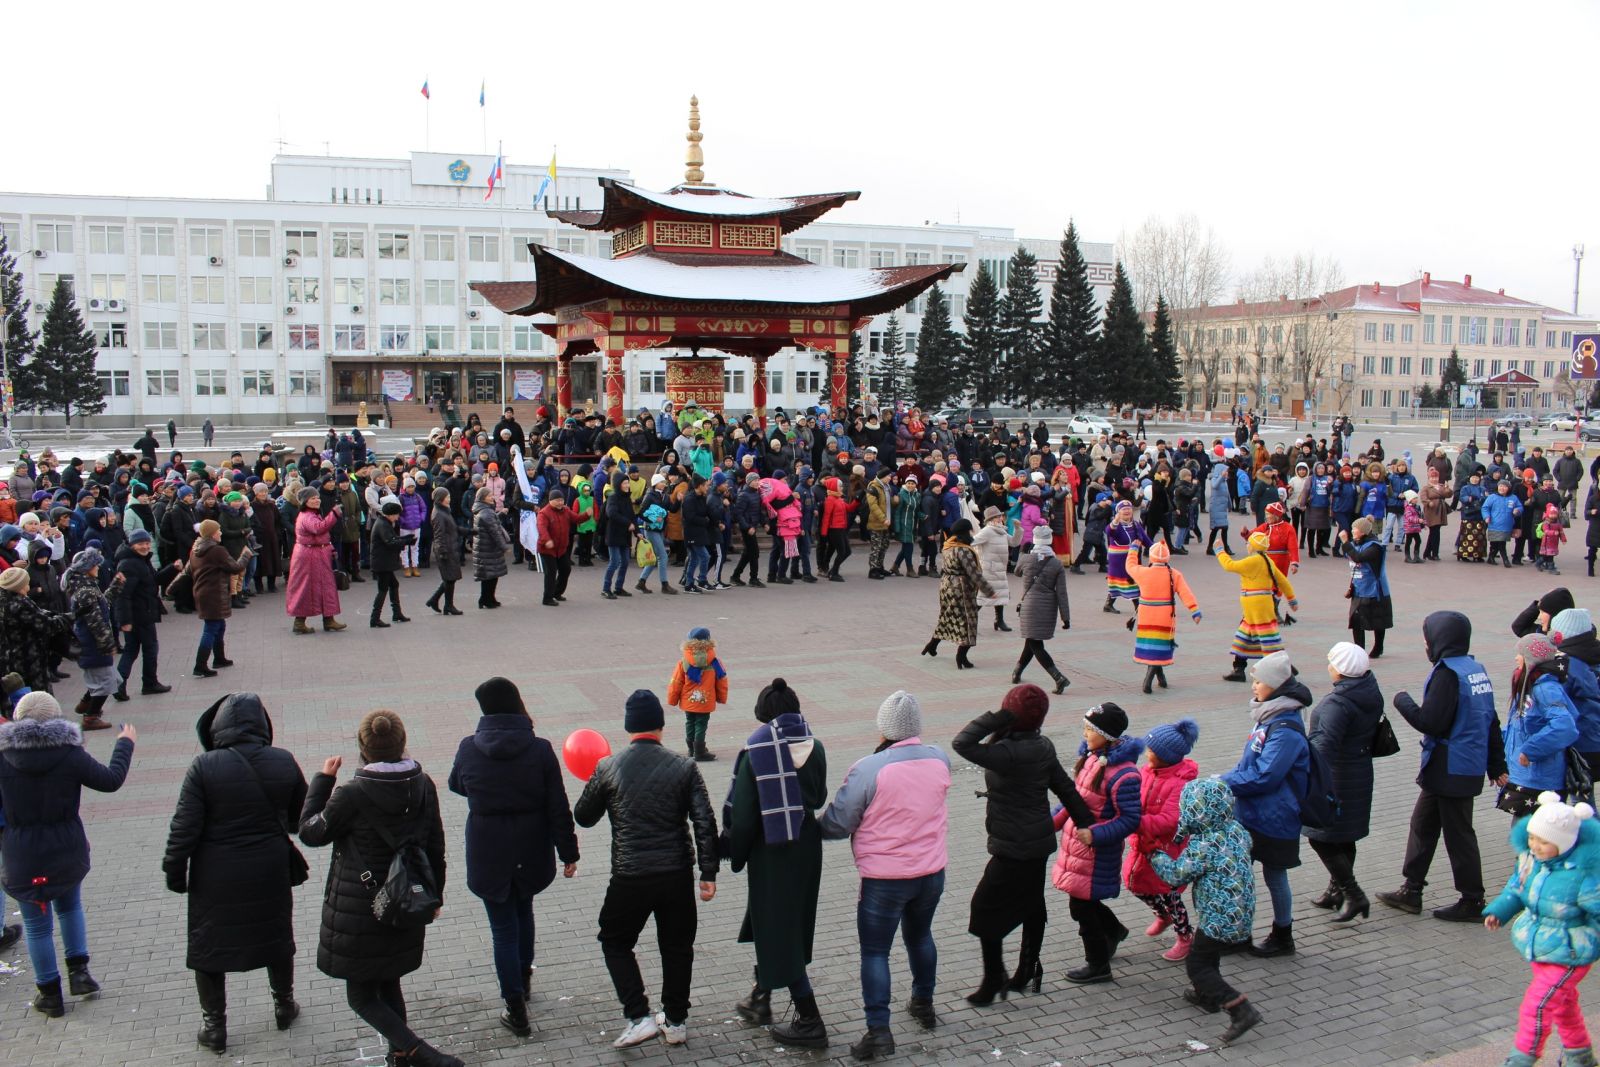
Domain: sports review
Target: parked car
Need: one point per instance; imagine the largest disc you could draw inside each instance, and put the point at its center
(980, 418)
(1089, 425)
(1562, 422)
(1516, 418)
(1590, 431)
(954, 416)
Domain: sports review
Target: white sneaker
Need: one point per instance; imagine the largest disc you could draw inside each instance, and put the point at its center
(672, 1034)
(638, 1032)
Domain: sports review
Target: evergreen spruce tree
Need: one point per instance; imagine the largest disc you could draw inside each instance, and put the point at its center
(938, 348)
(18, 340)
(892, 365)
(985, 340)
(1124, 356)
(1023, 333)
(1426, 396)
(1163, 385)
(852, 372)
(1452, 377)
(1070, 346)
(60, 376)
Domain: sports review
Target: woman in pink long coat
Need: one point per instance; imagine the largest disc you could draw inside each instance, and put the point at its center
(312, 589)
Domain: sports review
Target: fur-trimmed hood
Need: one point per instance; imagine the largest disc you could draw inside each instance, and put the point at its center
(699, 654)
(29, 735)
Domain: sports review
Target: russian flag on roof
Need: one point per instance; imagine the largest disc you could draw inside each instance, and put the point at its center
(425, 94)
(495, 175)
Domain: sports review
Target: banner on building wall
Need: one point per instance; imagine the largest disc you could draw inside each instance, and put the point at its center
(1585, 358)
(398, 384)
(527, 385)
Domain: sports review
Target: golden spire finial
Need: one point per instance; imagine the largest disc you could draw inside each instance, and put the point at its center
(695, 158)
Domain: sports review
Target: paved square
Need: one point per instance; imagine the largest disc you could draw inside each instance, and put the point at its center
(1388, 990)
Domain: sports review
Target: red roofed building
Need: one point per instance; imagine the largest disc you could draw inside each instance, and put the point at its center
(699, 267)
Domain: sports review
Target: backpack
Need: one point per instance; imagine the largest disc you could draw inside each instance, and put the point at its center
(1319, 805)
(409, 895)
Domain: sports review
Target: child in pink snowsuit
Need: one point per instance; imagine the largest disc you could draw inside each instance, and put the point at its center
(1551, 534)
(1167, 769)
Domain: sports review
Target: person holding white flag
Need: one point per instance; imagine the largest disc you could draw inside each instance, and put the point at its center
(528, 505)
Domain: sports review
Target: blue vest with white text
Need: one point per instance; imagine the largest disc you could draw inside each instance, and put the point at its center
(1468, 744)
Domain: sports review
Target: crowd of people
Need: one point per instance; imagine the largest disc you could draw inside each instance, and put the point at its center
(107, 552)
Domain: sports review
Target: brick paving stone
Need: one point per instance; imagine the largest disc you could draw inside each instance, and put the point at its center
(1391, 989)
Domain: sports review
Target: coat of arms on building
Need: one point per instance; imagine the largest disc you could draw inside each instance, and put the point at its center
(460, 171)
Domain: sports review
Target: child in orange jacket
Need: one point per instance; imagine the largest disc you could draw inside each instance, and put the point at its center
(699, 683)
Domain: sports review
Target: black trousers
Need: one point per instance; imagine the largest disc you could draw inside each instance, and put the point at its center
(350, 557)
(1359, 636)
(1097, 926)
(388, 586)
(1033, 649)
(1431, 551)
(556, 571)
(213, 986)
(1452, 816)
(1203, 967)
(628, 905)
(1339, 857)
(486, 589)
(749, 555)
(838, 550)
(382, 1006)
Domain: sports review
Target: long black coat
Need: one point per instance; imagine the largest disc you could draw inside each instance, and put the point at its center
(227, 846)
(1342, 725)
(1019, 771)
(266, 522)
(353, 944)
(27, 634)
(446, 545)
(518, 819)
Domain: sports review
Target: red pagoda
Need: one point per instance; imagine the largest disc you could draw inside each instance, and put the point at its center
(699, 267)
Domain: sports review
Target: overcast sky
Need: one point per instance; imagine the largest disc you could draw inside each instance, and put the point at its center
(1454, 137)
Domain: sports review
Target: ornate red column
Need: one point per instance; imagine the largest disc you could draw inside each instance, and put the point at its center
(838, 384)
(563, 385)
(758, 389)
(613, 382)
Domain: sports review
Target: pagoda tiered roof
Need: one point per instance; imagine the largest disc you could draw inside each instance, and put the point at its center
(627, 205)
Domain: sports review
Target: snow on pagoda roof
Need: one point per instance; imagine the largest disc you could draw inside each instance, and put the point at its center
(565, 278)
(627, 204)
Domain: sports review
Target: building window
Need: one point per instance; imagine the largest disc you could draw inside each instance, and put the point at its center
(775, 382)
(53, 236)
(206, 289)
(108, 286)
(255, 290)
(847, 257)
(1480, 329)
(1388, 333)
(1370, 333)
(1527, 367)
(437, 292)
(653, 382)
(1494, 366)
(205, 241)
(156, 241)
(1544, 400)
(1549, 368)
(110, 334)
(105, 239)
(1427, 366)
(112, 382)
(256, 336)
(916, 305)
(475, 299)
(1566, 340)
(1405, 398)
(161, 335)
(394, 246)
(1427, 329)
(1500, 332)
(350, 338)
(875, 341)
(1446, 330)
(256, 382)
(911, 342)
(807, 382)
(300, 243)
(394, 290)
(1366, 398)
(812, 253)
(305, 383)
(395, 338)
(350, 291)
(254, 242)
(733, 381)
(1369, 365)
(1384, 398)
(1549, 338)
(349, 244)
(958, 307)
(438, 338)
(520, 252)
(210, 383)
(1227, 365)
(1477, 368)
(483, 338)
(483, 247)
(47, 285)
(1388, 364)
(307, 336)
(1405, 366)
(525, 338)
(440, 247)
(159, 289)
(1408, 333)
(303, 290)
(160, 383)
(210, 336)
(880, 257)
(571, 243)
(1533, 330)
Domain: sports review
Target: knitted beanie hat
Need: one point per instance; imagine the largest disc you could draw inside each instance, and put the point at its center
(1552, 820)
(42, 707)
(1350, 660)
(1171, 742)
(642, 713)
(1273, 670)
(1536, 648)
(500, 696)
(899, 716)
(1160, 553)
(381, 737)
(1108, 720)
(85, 561)
(776, 699)
(1042, 536)
(15, 579)
(1028, 706)
(1573, 622)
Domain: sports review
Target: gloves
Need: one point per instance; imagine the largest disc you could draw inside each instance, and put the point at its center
(1199, 615)
(1294, 605)
(177, 879)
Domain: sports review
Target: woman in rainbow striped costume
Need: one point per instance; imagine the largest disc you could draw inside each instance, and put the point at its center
(1161, 586)
(1124, 532)
(1259, 581)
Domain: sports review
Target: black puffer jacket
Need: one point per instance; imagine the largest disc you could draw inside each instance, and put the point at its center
(697, 520)
(138, 601)
(354, 945)
(1019, 770)
(227, 846)
(653, 797)
(1342, 725)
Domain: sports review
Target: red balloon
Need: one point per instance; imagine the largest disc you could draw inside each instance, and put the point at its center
(582, 751)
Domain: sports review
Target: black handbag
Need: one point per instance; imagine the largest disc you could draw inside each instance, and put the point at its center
(299, 869)
(1384, 742)
(1579, 783)
(408, 897)
(341, 581)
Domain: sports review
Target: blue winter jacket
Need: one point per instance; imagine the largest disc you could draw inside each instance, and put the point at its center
(1217, 501)
(1374, 500)
(1271, 775)
(1470, 497)
(1346, 497)
(1398, 485)
(1556, 902)
(949, 510)
(1584, 692)
(1501, 511)
(1541, 730)
(1320, 493)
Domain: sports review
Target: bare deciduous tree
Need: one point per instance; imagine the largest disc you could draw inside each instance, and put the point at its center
(1183, 261)
(1296, 332)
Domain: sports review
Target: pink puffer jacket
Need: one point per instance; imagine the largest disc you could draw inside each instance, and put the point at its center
(1159, 793)
(1094, 872)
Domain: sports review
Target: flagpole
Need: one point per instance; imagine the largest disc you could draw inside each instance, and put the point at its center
(483, 110)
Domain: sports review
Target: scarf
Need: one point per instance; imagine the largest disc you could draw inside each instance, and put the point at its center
(693, 672)
(1262, 710)
(783, 812)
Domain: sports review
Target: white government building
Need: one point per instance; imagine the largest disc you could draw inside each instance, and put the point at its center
(348, 282)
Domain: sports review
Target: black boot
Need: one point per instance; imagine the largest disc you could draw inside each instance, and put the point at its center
(757, 1007)
(1465, 910)
(921, 1009)
(1237, 674)
(1000, 620)
(877, 1041)
(1029, 968)
(219, 655)
(1149, 678)
(48, 1001)
(962, 662)
(931, 648)
(805, 1030)
(515, 1017)
(1331, 897)
(702, 754)
(1241, 1017)
(1407, 899)
(1278, 943)
(425, 1055)
(1355, 903)
(213, 990)
(1061, 680)
(1110, 607)
(80, 983)
(200, 668)
(994, 981)
(1016, 675)
(1161, 677)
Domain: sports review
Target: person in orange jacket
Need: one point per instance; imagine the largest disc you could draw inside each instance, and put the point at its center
(1283, 547)
(835, 526)
(699, 683)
